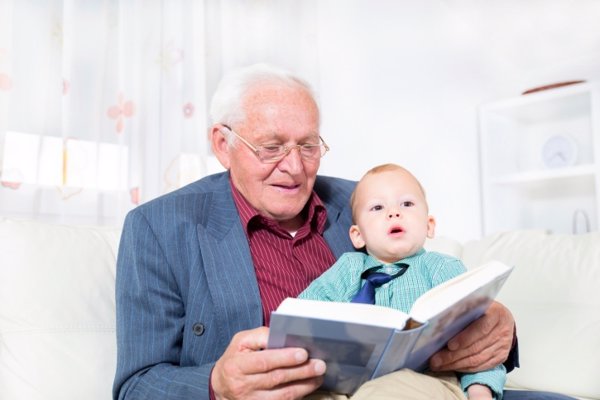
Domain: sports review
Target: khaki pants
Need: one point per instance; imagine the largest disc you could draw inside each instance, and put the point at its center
(404, 384)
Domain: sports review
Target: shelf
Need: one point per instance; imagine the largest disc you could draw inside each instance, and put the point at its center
(518, 190)
(554, 104)
(545, 175)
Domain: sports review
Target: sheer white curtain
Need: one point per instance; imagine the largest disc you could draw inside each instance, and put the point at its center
(103, 104)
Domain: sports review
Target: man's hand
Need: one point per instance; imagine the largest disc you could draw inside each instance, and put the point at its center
(247, 371)
(482, 345)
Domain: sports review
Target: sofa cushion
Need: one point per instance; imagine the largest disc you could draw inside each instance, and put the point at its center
(57, 311)
(554, 295)
(444, 245)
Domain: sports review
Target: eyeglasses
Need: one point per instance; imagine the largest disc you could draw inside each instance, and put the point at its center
(272, 153)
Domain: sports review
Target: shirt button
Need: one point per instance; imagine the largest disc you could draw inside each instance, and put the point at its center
(198, 329)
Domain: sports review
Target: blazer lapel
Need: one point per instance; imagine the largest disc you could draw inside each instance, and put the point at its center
(336, 233)
(228, 266)
(339, 220)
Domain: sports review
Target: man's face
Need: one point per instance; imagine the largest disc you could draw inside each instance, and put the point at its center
(276, 114)
(391, 216)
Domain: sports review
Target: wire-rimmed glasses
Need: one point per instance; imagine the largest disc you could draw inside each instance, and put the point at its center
(272, 153)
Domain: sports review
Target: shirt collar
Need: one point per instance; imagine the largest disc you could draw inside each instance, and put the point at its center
(371, 261)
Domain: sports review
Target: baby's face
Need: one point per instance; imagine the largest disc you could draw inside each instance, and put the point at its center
(391, 216)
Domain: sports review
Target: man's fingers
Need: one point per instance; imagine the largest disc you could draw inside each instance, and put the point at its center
(480, 329)
(488, 358)
(282, 376)
(476, 332)
(248, 371)
(482, 345)
(471, 359)
(250, 340)
(237, 382)
(258, 360)
(459, 353)
(287, 359)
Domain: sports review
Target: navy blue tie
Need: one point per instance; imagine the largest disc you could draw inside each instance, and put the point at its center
(366, 294)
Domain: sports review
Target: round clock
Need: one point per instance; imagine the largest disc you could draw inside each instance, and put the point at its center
(559, 151)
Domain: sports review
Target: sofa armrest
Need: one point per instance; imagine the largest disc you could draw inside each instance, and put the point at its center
(57, 311)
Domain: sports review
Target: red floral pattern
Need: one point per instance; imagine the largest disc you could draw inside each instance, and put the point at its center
(123, 109)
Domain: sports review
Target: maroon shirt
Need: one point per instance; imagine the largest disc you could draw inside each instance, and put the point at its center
(285, 264)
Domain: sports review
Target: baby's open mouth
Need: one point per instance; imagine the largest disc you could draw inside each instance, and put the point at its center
(396, 229)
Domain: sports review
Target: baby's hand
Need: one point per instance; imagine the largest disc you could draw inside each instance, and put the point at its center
(479, 392)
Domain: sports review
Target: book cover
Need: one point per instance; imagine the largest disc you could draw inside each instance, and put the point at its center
(360, 342)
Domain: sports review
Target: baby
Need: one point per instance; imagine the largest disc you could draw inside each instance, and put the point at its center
(391, 223)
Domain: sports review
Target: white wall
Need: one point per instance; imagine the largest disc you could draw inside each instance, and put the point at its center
(400, 81)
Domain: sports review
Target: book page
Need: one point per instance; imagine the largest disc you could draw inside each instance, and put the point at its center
(366, 314)
(468, 299)
(440, 297)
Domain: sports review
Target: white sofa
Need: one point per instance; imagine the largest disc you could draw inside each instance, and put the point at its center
(57, 322)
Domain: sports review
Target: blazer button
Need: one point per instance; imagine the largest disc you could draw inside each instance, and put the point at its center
(198, 329)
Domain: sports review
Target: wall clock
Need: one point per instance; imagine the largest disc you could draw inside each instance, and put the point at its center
(559, 151)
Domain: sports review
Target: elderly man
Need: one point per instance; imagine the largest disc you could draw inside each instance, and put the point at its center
(200, 269)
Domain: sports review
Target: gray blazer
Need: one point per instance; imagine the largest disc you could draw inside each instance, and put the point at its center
(186, 284)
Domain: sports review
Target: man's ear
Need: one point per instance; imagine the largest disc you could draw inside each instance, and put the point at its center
(356, 237)
(430, 227)
(220, 146)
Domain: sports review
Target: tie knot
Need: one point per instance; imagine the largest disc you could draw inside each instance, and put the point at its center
(378, 278)
(366, 294)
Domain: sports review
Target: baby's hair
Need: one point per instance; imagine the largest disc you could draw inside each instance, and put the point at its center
(376, 170)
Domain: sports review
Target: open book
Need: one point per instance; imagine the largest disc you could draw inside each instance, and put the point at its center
(363, 341)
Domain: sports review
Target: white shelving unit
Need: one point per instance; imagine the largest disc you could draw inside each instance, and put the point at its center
(522, 188)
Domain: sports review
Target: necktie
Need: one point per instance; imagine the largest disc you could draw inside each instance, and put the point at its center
(366, 294)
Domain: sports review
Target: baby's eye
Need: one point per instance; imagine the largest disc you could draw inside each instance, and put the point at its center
(377, 207)
(407, 204)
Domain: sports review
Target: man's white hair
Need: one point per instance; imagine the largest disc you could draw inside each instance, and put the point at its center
(226, 105)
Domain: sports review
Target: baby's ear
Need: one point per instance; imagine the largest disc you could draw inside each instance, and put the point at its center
(430, 227)
(356, 237)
